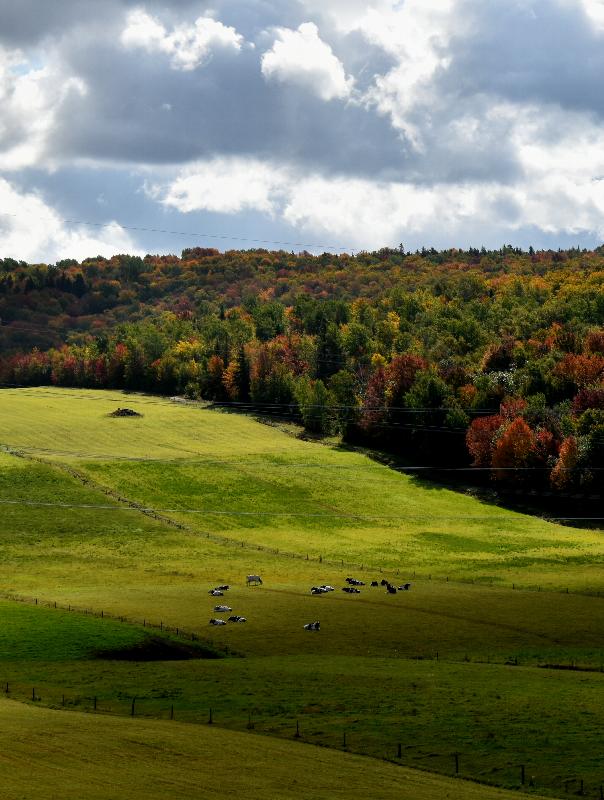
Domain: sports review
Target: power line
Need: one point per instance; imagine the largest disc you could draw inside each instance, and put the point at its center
(220, 236)
(285, 514)
(199, 460)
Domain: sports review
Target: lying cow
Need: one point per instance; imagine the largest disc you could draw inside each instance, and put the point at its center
(216, 593)
(351, 590)
(237, 618)
(374, 583)
(222, 609)
(313, 626)
(405, 587)
(217, 622)
(355, 582)
(317, 590)
(223, 588)
(391, 589)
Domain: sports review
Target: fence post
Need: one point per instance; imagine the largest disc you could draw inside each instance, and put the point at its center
(6, 690)
(94, 704)
(456, 763)
(210, 720)
(344, 740)
(297, 734)
(63, 700)
(171, 712)
(399, 753)
(522, 774)
(33, 693)
(132, 708)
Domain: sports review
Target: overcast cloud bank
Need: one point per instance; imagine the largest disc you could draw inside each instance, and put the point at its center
(445, 122)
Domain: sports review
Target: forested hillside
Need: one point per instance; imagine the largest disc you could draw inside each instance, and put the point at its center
(492, 359)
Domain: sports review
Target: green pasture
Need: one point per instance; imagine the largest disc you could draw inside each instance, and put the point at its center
(258, 485)
(494, 716)
(136, 759)
(125, 563)
(457, 664)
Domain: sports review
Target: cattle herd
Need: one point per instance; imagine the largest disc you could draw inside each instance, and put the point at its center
(324, 588)
(219, 591)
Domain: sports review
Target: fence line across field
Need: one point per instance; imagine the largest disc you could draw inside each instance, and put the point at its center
(398, 753)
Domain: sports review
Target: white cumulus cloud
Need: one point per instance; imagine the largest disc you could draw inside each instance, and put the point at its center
(302, 58)
(188, 46)
(31, 100)
(33, 231)
(225, 185)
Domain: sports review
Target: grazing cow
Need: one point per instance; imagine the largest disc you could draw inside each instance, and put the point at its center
(405, 587)
(222, 609)
(217, 622)
(216, 593)
(253, 579)
(384, 582)
(313, 626)
(391, 589)
(374, 583)
(237, 618)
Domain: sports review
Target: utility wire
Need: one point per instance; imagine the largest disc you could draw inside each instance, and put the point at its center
(286, 514)
(221, 236)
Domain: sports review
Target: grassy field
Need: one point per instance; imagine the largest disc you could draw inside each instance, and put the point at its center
(256, 484)
(140, 758)
(448, 667)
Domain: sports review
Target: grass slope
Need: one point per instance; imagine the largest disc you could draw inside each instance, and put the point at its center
(266, 488)
(372, 670)
(81, 755)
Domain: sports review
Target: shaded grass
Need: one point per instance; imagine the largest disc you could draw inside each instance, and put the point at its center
(495, 717)
(31, 634)
(146, 759)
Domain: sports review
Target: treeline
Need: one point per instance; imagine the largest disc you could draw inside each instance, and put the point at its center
(491, 359)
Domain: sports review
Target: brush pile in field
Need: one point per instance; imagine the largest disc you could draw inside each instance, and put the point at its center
(125, 412)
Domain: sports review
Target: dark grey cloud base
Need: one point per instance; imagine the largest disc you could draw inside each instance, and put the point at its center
(141, 118)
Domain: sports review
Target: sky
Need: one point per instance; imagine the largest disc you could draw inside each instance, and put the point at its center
(334, 125)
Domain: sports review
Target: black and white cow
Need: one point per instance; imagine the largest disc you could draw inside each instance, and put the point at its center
(222, 609)
(374, 583)
(351, 590)
(217, 622)
(313, 626)
(405, 587)
(237, 618)
(216, 593)
(223, 588)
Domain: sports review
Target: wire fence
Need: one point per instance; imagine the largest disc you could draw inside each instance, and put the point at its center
(508, 770)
